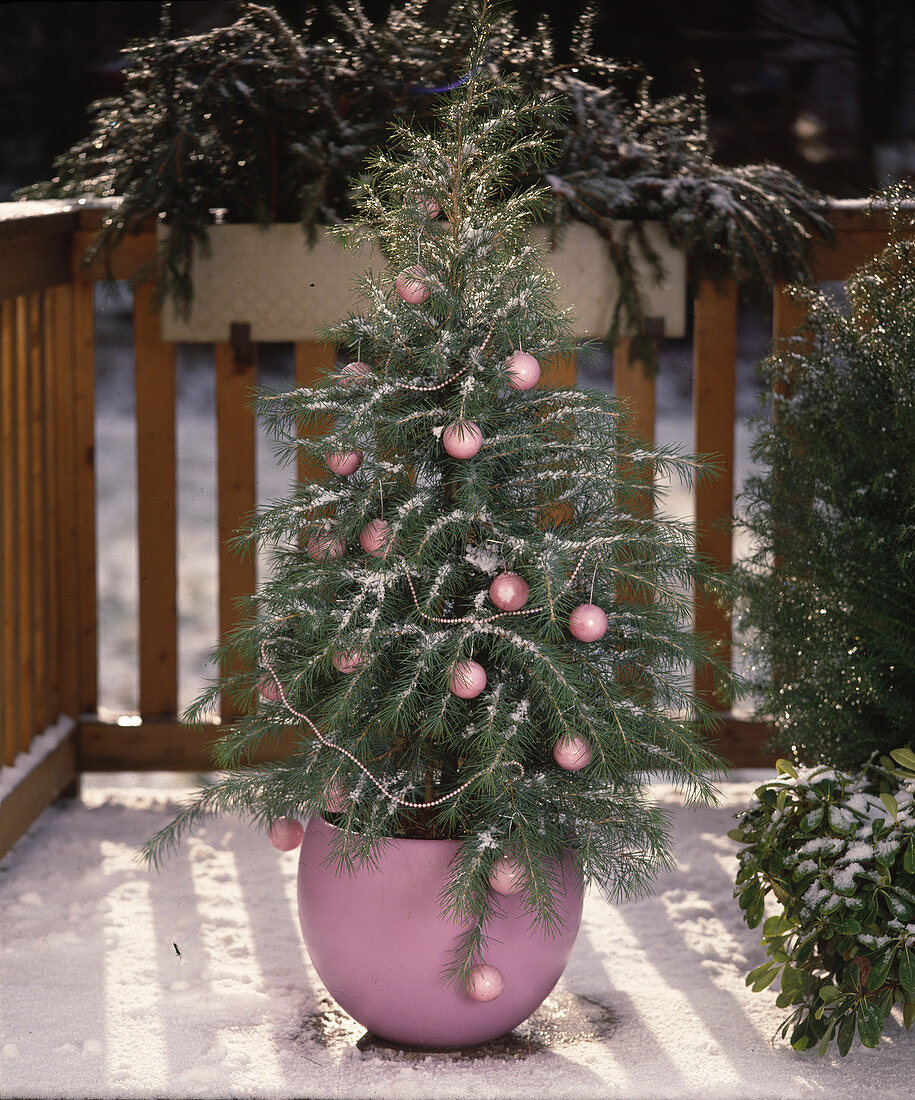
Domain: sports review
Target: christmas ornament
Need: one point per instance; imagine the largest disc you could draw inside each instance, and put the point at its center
(462, 439)
(467, 680)
(352, 372)
(286, 834)
(486, 983)
(409, 286)
(348, 660)
(322, 547)
(509, 592)
(267, 689)
(572, 753)
(588, 622)
(344, 462)
(336, 798)
(506, 876)
(375, 537)
(523, 371)
(429, 206)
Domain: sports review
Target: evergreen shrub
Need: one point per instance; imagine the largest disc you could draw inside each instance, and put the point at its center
(836, 851)
(829, 588)
(266, 122)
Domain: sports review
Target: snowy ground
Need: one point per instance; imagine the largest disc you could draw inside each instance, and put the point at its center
(98, 1002)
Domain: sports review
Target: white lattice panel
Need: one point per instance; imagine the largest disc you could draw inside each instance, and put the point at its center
(284, 289)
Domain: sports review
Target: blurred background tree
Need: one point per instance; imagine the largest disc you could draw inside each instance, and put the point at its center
(821, 87)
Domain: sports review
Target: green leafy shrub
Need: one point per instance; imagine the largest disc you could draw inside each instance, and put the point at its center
(836, 851)
(829, 588)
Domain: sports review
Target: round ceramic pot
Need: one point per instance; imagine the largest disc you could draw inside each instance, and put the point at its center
(380, 943)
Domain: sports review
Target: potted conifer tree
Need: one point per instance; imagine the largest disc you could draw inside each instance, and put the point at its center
(472, 630)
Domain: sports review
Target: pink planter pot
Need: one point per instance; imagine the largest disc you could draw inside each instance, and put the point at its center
(380, 944)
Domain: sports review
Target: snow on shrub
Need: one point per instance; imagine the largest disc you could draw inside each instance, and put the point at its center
(837, 852)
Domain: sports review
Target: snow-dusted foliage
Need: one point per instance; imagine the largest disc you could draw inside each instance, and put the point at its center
(267, 123)
(836, 851)
(831, 581)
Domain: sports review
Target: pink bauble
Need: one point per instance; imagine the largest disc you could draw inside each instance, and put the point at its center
(467, 680)
(506, 876)
(344, 462)
(336, 797)
(353, 372)
(588, 622)
(509, 592)
(462, 439)
(428, 206)
(348, 660)
(409, 286)
(268, 689)
(322, 547)
(523, 371)
(572, 753)
(286, 834)
(374, 538)
(486, 983)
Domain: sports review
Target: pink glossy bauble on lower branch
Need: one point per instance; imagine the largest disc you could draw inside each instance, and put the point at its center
(375, 538)
(572, 753)
(467, 680)
(588, 622)
(286, 834)
(348, 660)
(506, 876)
(336, 797)
(381, 944)
(268, 689)
(344, 463)
(322, 547)
(462, 439)
(523, 371)
(410, 285)
(509, 592)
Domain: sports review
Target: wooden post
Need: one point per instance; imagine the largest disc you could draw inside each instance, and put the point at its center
(236, 374)
(156, 511)
(714, 373)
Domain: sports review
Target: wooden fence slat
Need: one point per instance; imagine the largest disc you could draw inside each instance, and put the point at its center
(83, 352)
(236, 486)
(106, 747)
(559, 372)
(38, 494)
(65, 501)
(156, 511)
(9, 517)
(635, 385)
(25, 580)
(311, 360)
(51, 495)
(714, 396)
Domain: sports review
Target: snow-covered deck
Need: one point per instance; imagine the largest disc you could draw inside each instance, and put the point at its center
(193, 982)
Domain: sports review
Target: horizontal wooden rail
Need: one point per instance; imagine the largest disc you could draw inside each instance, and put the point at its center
(49, 622)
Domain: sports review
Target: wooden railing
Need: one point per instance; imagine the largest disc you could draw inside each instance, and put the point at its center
(49, 639)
